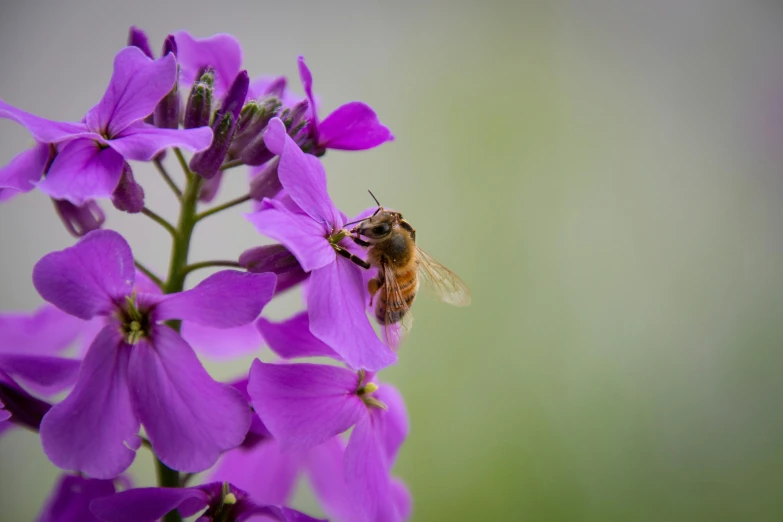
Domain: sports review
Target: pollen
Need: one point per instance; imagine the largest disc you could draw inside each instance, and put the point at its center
(230, 498)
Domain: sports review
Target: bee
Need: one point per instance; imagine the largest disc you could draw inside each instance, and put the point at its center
(392, 249)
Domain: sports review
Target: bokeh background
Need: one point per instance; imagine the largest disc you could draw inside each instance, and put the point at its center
(605, 176)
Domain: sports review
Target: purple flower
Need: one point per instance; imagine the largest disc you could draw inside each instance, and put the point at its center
(138, 370)
(353, 126)
(90, 159)
(24, 170)
(304, 405)
(223, 502)
(308, 224)
(220, 52)
(70, 499)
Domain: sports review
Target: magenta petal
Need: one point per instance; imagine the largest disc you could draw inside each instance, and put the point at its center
(41, 373)
(367, 473)
(304, 237)
(4, 416)
(190, 418)
(265, 472)
(222, 343)
(221, 51)
(394, 422)
(25, 169)
(327, 477)
(142, 142)
(292, 338)
(43, 130)
(148, 504)
(87, 431)
(88, 278)
(337, 316)
(83, 170)
(403, 501)
(302, 176)
(307, 82)
(304, 405)
(353, 126)
(70, 499)
(47, 331)
(136, 86)
(223, 300)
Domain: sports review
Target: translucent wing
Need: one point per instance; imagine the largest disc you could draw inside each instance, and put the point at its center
(398, 319)
(445, 284)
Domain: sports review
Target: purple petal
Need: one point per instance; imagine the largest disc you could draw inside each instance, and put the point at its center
(250, 508)
(136, 86)
(222, 343)
(79, 219)
(292, 338)
(304, 405)
(4, 416)
(138, 38)
(41, 373)
(47, 331)
(148, 504)
(223, 300)
(22, 408)
(88, 431)
(367, 473)
(25, 169)
(304, 237)
(302, 176)
(353, 126)
(327, 477)
(43, 130)
(142, 142)
(335, 303)
(266, 472)
(221, 51)
(83, 170)
(393, 423)
(88, 278)
(403, 501)
(307, 82)
(190, 418)
(70, 499)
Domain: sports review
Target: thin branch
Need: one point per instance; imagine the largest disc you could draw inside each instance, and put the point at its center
(231, 164)
(159, 220)
(170, 182)
(183, 163)
(224, 206)
(207, 264)
(185, 478)
(147, 272)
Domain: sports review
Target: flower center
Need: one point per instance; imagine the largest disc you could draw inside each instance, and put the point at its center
(337, 236)
(135, 323)
(365, 391)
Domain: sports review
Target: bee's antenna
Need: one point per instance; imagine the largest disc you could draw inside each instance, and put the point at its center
(357, 221)
(373, 197)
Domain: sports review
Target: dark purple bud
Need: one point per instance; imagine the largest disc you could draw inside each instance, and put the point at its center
(25, 409)
(138, 38)
(266, 184)
(277, 259)
(129, 195)
(79, 219)
(276, 87)
(209, 188)
(166, 115)
(253, 119)
(295, 117)
(207, 162)
(199, 106)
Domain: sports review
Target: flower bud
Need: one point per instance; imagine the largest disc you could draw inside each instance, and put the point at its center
(199, 106)
(207, 162)
(266, 184)
(79, 220)
(138, 38)
(25, 409)
(166, 115)
(276, 87)
(129, 195)
(253, 119)
(209, 188)
(277, 259)
(295, 116)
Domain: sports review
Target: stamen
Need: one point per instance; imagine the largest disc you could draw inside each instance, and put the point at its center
(230, 499)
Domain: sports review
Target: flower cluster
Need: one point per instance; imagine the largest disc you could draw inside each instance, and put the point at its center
(134, 379)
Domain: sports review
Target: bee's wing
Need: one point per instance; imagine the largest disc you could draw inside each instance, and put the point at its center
(394, 327)
(445, 284)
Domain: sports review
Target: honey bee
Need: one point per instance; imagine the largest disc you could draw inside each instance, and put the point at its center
(401, 264)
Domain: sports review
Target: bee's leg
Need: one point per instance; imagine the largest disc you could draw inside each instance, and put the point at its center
(360, 242)
(346, 254)
(373, 285)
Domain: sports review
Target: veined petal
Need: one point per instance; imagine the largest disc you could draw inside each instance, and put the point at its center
(70, 499)
(142, 142)
(25, 169)
(221, 52)
(292, 338)
(302, 176)
(148, 504)
(223, 300)
(301, 235)
(83, 170)
(43, 130)
(367, 474)
(89, 430)
(335, 303)
(190, 418)
(88, 278)
(46, 331)
(222, 343)
(353, 126)
(41, 373)
(304, 405)
(136, 86)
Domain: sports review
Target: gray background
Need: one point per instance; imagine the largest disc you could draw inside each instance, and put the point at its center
(604, 175)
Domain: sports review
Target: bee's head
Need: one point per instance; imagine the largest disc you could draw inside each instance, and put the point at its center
(379, 226)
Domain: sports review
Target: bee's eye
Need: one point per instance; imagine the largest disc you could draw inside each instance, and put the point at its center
(381, 230)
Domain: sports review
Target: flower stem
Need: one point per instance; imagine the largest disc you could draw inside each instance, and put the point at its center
(206, 264)
(170, 182)
(224, 206)
(159, 220)
(231, 164)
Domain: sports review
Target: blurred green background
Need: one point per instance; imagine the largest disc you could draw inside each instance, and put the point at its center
(605, 176)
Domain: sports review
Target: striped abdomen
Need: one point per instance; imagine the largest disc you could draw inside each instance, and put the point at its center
(396, 303)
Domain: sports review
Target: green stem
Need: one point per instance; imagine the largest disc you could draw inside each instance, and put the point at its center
(159, 220)
(170, 182)
(231, 164)
(224, 206)
(206, 264)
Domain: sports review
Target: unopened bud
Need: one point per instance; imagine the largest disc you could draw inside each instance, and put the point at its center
(209, 188)
(207, 162)
(277, 259)
(129, 195)
(199, 106)
(266, 184)
(79, 219)
(166, 115)
(253, 119)
(276, 87)
(138, 38)
(295, 116)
